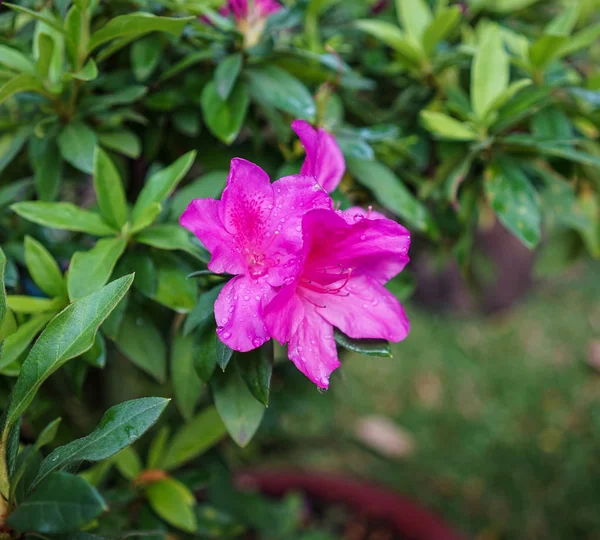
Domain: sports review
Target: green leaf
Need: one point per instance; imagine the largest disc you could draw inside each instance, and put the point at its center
(145, 56)
(194, 438)
(122, 141)
(170, 237)
(16, 60)
(63, 503)
(238, 408)
(46, 53)
(564, 22)
(90, 270)
(206, 355)
(141, 341)
(136, 25)
(446, 127)
(88, 72)
(410, 54)
(174, 503)
(31, 304)
(10, 146)
(109, 190)
(392, 194)
(187, 62)
(18, 342)
(442, 25)
(120, 426)
(187, 122)
(146, 217)
(414, 16)
(490, 71)
(543, 50)
(370, 347)
(514, 200)
(256, 368)
(282, 91)
(209, 185)
(65, 216)
(513, 89)
(2, 287)
(96, 356)
(161, 184)
(224, 118)
(21, 83)
(203, 312)
(68, 335)
(47, 164)
(187, 386)
(156, 452)
(580, 40)
(174, 289)
(15, 190)
(223, 352)
(40, 16)
(128, 463)
(43, 268)
(227, 73)
(77, 143)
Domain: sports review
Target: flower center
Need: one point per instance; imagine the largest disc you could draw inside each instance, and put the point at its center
(328, 280)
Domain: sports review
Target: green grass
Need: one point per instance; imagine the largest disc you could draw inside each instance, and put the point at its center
(504, 411)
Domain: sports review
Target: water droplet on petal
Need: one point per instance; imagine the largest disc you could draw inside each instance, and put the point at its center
(226, 335)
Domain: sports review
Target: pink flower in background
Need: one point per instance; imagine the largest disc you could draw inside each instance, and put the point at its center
(246, 10)
(346, 260)
(254, 233)
(324, 159)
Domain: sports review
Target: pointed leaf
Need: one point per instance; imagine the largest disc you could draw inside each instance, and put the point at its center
(224, 117)
(414, 16)
(187, 386)
(174, 503)
(256, 368)
(446, 127)
(43, 268)
(17, 343)
(21, 83)
(227, 73)
(370, 347)
(109, 190)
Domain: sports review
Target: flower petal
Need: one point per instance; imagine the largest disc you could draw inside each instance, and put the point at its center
(202, 218)
(284, 314)
(312, 349)
(294, 196)
(324, 159)
(247, 203)
(356, 213)
(239, 313)
(372, 247)
(362, 309)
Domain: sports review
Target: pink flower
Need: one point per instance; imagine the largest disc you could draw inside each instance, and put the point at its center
(324, 159)
(253, 233)
(346, 260)
(251, 9)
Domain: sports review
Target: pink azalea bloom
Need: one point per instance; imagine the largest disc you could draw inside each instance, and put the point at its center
(346, 260)
(247, 10)
(253, 233)
(324, 159)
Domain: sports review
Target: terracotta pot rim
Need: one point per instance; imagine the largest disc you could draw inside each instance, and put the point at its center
(376, 502)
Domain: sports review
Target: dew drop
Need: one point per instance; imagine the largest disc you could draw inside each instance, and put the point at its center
(226, 335)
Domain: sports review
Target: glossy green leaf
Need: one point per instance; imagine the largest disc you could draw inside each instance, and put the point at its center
(21, 83)
(170, 237)
(77, 143)
(392, 194)
(47, 165)
(46, 53)
(65, 216)
(224, 353)
(16, 60)
(174, 503)
(161, 184)
(32, 304)
(109, 190)
(18, 342)
(140, 341)
(203, 312)
(194, 438)
(442, 25)
(123, 141)
(145, 56)
(136, 25)
(174, 289)
(62, 504)
(240, 411)
(120, 426)
(370, 347)
(490, 72)
(282, 90)
(514, 200)
(409, 51)
(90, 270)
(146, 217)
(42, 16)
(141, 264)
(68, 335)
(224, 118)
(205, 360)
(43, 268)
(414, 16)
(256, 368)
(88, 72)
(209, 185)
(226, 74)
(446, 127)
(187, 386)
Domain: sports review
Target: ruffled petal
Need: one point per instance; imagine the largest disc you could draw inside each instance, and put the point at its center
(374, 247)
(294, 196)
(247, 203)
(312, 349)
(324, 159)
(284, 314)
(362, 309)
(239, 313)
(202, 218)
